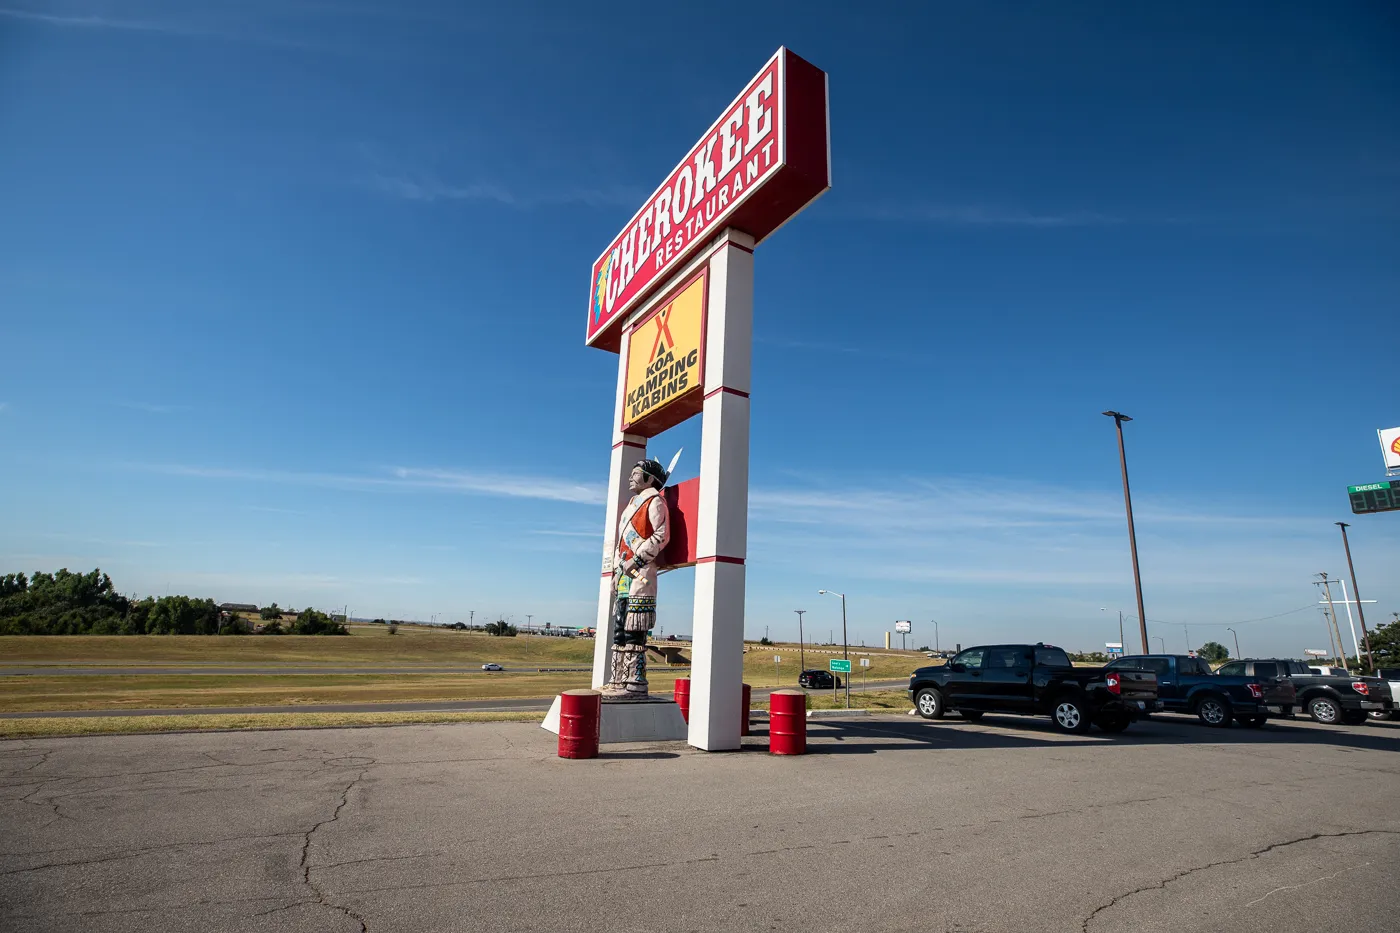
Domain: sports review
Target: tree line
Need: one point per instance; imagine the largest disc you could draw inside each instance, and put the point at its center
(66, 603)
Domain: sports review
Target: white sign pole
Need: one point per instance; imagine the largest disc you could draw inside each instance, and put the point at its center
(627, 449)
(1346, 600)
(722, 527)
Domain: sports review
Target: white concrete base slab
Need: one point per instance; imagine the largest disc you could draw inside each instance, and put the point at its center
(835, 713)
(652, 720)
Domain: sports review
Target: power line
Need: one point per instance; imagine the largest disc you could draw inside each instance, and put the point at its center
(1277, 615)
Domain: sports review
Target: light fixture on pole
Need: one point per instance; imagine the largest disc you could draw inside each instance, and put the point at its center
(1163, 641)
(845, 644)
(1118, 419)
(1356, 593)
(1237, 640)
(936, 648)
(801, 643)
(1120, 624)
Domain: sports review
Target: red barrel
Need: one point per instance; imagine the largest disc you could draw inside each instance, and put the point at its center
(787, 722)
(683, 696)
(744, 729)
(580, 714)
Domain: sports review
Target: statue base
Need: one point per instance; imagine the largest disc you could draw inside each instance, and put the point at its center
(655, 719)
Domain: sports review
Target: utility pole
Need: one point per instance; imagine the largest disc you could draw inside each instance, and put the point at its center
(1356, 592)
(528, 619)
(471, 618)
(1118, 419)
(1332, 617)
(801, 642)
(1237, 640)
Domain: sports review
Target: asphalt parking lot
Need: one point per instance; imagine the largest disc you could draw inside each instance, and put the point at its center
(890, 824)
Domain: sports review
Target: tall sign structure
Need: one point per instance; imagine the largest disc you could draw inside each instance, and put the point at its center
(672, 295)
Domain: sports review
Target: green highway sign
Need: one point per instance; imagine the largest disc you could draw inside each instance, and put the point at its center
(839, 667)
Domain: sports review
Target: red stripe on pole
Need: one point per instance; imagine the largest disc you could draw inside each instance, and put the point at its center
(739, 392)
(719, 559)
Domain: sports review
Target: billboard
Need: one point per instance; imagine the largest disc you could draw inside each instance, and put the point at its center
(903, 628)
(1114, 647)
(765, 158)
(666, 362)
(1390, 447)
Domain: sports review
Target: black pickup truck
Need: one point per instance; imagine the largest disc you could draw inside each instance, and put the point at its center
(1033, 680)
(1187, 685)
(1328, 698)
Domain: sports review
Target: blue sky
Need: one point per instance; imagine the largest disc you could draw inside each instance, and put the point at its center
(292, 298)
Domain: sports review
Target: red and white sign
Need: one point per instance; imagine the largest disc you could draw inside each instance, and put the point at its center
(766, 157)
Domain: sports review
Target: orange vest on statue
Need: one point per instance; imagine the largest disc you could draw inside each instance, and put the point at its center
(637, 529)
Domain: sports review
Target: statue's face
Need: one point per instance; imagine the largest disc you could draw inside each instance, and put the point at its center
(638, 480)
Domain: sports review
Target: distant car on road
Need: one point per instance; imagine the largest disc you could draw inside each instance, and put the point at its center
(818, 680)
(492, 667)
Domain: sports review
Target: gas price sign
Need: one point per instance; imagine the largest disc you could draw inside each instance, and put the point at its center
(1375, 497)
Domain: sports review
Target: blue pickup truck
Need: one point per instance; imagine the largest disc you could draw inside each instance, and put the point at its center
(1188, 685)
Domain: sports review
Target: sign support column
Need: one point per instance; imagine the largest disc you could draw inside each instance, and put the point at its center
(627, 449)
(722, 528)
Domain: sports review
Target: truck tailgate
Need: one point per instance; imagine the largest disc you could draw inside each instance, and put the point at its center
(1137, 685)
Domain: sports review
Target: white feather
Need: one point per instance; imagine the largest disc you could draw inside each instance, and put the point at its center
(674, 460)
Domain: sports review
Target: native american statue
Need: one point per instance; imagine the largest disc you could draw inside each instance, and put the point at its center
(642, 534)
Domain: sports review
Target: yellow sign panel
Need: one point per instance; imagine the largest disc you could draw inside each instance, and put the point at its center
(665, 362)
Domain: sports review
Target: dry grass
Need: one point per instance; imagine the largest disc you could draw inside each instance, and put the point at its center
(896, 700)
(179, 691)
(368, 646)
(126, 725)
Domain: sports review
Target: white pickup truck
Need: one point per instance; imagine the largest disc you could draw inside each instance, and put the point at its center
(1391, 675)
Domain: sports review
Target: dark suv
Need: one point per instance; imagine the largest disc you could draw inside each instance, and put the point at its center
(818, 680)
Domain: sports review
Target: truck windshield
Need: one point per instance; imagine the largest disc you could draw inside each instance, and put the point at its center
(1051, 657)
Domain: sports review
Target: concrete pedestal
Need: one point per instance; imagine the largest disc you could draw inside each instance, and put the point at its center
(652, 720)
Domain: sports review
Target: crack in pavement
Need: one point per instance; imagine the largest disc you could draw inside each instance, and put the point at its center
(137, 853)
(1158, 885)
(306, 866)
(42, 756)
(1306, 884)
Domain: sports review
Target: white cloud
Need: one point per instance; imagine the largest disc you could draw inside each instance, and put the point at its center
(429, 189)
(513, 486)
(153, 409)
(980, 215)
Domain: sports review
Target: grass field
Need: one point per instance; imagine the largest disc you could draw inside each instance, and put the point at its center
(125, 725)
(368, 646)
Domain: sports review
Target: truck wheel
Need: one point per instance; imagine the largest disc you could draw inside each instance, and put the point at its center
(1214, 711)
(1113, 722)
(929, 703)
(1252, 722)
(1070, 715)
(1325, 710)
(1354, 717)
(970, 715)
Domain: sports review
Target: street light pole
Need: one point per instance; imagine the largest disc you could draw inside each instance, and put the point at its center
(1118, 419)
(1356, 592)
(936, 647)
(845, 642)
(1163, 641)
(801, 642)
(1237, 640)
